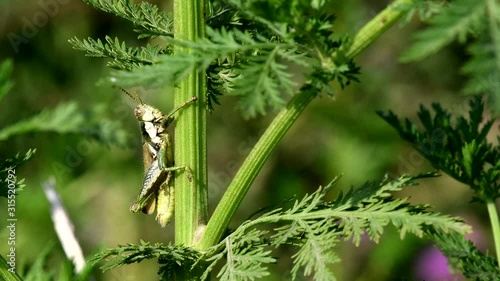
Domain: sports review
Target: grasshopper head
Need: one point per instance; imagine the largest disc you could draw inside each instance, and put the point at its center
(146, 113)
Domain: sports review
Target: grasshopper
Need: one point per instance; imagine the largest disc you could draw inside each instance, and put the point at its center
(157, 189)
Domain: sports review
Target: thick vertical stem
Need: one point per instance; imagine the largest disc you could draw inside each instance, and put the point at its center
(190, 131)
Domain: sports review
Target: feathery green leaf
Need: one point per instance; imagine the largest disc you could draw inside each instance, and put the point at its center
(240, 57)
(9, 180)
(170, 257)
(456, 21)
(314, 226)
(475, 24)
(67, 118)
(123, 58)
(458, 147)
(462, 254)
(484, 70)
(150, 22)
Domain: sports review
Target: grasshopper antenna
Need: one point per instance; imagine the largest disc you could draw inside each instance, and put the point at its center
(137, 98)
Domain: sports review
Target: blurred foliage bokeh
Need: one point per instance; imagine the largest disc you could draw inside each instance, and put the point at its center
(334, 136)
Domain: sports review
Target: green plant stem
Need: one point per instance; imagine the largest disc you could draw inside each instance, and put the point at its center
(376, 27)
(277, 129)
(251, 166)
(5, 274)
(494, 29)
(190, 131)
(495, 226)
(492, 211)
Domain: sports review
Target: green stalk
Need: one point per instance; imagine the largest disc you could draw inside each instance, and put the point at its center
(376, 27)
(495, 226)
(5, 274)
(277, 129)
(190, 131)
(494, 29)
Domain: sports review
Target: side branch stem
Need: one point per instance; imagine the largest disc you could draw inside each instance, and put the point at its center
(278, 128)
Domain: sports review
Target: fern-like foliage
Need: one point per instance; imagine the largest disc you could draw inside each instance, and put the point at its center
(458, 147)
(62, 119)
(456, 21)
(424, 9)
(150, 22)
(484, 69)
(67, 118)
(462, 254)
(312, 225)
(123, 57)
(258, 80)
(247, 51)
(170, 257)
(246, 258)
(7, 172)
(474, 23)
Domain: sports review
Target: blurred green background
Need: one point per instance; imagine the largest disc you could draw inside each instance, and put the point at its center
(333, 137)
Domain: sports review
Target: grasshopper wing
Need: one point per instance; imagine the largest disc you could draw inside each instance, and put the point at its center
(146, 201)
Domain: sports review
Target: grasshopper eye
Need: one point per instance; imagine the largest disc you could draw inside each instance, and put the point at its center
(138, 112)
